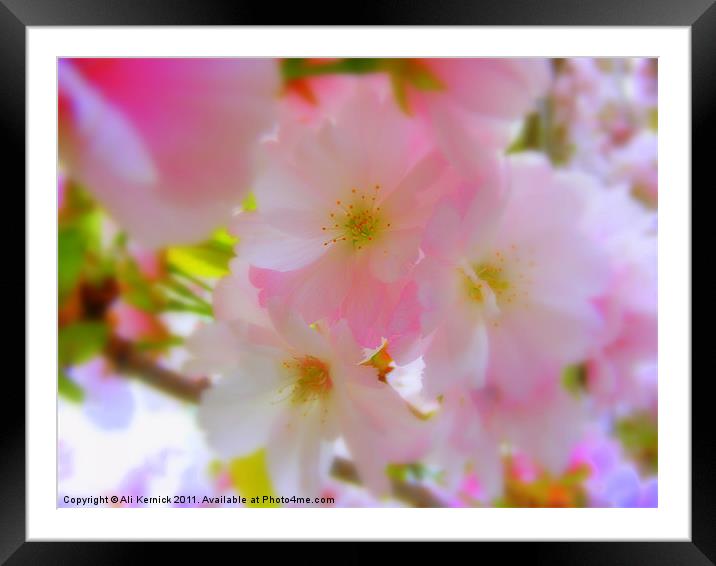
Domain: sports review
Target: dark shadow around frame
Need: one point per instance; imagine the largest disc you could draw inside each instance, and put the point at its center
(700, 15)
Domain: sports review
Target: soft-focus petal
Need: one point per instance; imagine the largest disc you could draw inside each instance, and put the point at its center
(165, 144)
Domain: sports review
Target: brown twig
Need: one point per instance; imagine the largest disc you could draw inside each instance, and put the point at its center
(136, 364)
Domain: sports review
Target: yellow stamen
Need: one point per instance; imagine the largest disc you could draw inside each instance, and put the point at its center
(312, 379)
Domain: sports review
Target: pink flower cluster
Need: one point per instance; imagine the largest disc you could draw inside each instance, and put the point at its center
(607, 110)
(405, 290)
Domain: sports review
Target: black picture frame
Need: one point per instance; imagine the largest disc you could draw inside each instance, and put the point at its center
(699, 15)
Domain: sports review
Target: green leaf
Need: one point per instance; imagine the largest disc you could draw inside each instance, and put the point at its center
(99, 263)
(200, 261)
(415, 73)
(404, 73)
(249, 476)
(70, 250)
(574, 379)
(68, 388)
(249, 205)
(400, 93)
(359, 66)
(297, 68)
(90, 224)
(182, 292)
(292, 68)
(158, 345)
(79, 246)
(136, 290)
(178, 306)
(222, 237)
(639, 434)
(80, 342)
(531, 136)
(209, 259)
(179, 274)
(409, 472)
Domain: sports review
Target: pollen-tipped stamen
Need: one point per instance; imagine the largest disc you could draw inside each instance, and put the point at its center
(360, 222)
(311, 379)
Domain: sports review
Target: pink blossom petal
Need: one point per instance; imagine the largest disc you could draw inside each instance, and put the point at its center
(262, 245)
(165, 144)
(458, 353)
(393, 257)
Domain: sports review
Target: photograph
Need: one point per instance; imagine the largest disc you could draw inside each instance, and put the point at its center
(357, 282)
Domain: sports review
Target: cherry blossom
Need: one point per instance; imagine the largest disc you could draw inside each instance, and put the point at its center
(341, 212)
(387, 281)
(294, 389)
(476, 430)
(166, 145)
(508, 281)
(621, 359)
(486, 98)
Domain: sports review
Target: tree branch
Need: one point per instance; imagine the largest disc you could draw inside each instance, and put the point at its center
(136, 364)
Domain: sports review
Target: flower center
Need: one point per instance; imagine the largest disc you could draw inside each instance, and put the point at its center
(487, 275)
(312, 379)
(359, 222)
(507, 276)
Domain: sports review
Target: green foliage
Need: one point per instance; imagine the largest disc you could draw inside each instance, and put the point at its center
(542, 132)
(169, 293)
(81, 341)
(178, 306)
(68, 388)
(79, 248)
(409, 73)
(209, 259)
(158, 345)
(574, 379)
(136, 289)
(639, 434)
(414, 471)
(249, 205)
(71, 251)
(297, 68)
(531, 136)
(403, 72)
(176, 289)
(202, 260)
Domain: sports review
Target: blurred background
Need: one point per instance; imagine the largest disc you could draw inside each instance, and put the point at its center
(127, 405)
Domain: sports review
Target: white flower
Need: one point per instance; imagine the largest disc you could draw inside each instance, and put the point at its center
(294, 389)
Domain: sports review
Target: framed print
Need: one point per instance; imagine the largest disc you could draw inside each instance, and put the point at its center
(423, 278)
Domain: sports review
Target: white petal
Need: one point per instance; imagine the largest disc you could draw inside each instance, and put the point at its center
(236, 414)
(458, 353)
(378, 429)
(213, 347)
(235, 298)
(297, 455)
(264, 246)
(296, 332)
